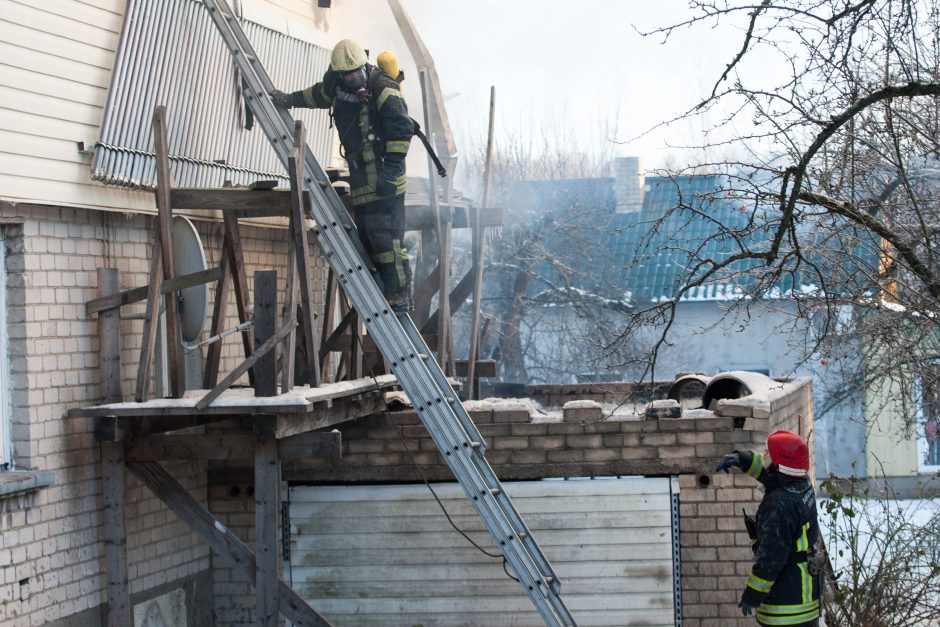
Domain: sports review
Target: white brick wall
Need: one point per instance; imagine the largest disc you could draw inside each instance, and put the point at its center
(50, 539)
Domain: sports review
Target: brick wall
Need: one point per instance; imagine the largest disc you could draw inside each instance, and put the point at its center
(51, 554)
(581, 441)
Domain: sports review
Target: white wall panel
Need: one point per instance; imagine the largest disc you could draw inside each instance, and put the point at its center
(386, 555)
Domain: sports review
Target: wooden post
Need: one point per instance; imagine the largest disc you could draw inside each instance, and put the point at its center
(267, 509)
(302, 248)
(478, 244)
(236, 261)
(265, 321)
(442, 224)
(288, 350)
(210, 373)
(164, 221)
(109, 338)
(329, 305)
(149, 340)
(112, 459)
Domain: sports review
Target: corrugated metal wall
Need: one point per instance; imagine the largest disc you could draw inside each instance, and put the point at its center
(386, 555)
(171, 54)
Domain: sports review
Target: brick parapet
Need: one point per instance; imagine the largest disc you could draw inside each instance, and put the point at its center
(714, 549)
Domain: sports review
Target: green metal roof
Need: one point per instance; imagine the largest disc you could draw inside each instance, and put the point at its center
(647, 255)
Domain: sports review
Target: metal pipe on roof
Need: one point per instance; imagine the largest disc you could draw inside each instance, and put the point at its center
(150, 68)
(114, 92)
(215, 99)
(204, 127)
(173, 85)
(167, 87)
(163, 63)
(230, 127)
(170, 53)
(120, 159)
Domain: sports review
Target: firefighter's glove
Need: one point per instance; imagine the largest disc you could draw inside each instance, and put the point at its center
(750, 600)
(386, 189)
(746, 610)
(280, 99)
(729, 460)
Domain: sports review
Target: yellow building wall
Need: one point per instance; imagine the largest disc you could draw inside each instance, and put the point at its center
(890, 452)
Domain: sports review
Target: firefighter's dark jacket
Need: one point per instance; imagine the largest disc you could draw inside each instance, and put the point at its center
(375, 135)
(780, 584)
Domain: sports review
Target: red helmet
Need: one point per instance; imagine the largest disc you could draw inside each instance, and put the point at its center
(789, 453)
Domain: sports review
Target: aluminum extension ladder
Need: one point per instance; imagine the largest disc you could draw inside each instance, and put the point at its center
(399, 341)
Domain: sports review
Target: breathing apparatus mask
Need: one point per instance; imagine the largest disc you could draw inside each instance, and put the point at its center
(354, 82)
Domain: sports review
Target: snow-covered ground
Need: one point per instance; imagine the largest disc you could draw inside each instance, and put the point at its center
(875, 543)
(879, 514)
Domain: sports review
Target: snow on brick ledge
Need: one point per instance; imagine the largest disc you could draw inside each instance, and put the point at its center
(582, 411)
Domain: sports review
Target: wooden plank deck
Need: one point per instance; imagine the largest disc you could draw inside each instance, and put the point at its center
(241, 401)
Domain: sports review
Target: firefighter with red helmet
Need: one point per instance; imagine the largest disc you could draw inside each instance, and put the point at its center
(783, 587)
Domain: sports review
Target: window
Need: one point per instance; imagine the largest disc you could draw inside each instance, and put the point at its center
(6, 445)
(927, 397)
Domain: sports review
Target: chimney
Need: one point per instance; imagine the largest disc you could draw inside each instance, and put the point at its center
(629, 184)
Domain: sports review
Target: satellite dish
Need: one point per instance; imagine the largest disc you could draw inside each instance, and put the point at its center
(189, 257)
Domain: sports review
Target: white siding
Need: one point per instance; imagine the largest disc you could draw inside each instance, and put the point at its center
(56, 58)
(6, 385)
(55, 65)
(386, 555)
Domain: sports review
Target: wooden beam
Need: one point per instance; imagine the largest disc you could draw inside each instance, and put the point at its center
(298, 401)
(138, 294)
(295, 168)
(246, 365)
(112, 461)
(231, 446)
(323, 416)
(225, 543)
(479, 244)
(164, 221)
(457, 298)
(439, 127)
(152, 312)
(265, 318)
(328, 311)
(210, 371)
(240, 202)
(114, 490)
(116, 428)
(165, 239)
(332, 341)
(288, 347)
(267, 511)
(109, 339)
(233, 248)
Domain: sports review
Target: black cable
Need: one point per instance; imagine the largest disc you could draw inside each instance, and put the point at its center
(401, 435)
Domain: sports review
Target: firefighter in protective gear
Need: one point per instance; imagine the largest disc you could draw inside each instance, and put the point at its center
(375, 132)
(783, 587)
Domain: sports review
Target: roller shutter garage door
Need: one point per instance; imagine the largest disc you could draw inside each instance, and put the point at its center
(386, 555)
